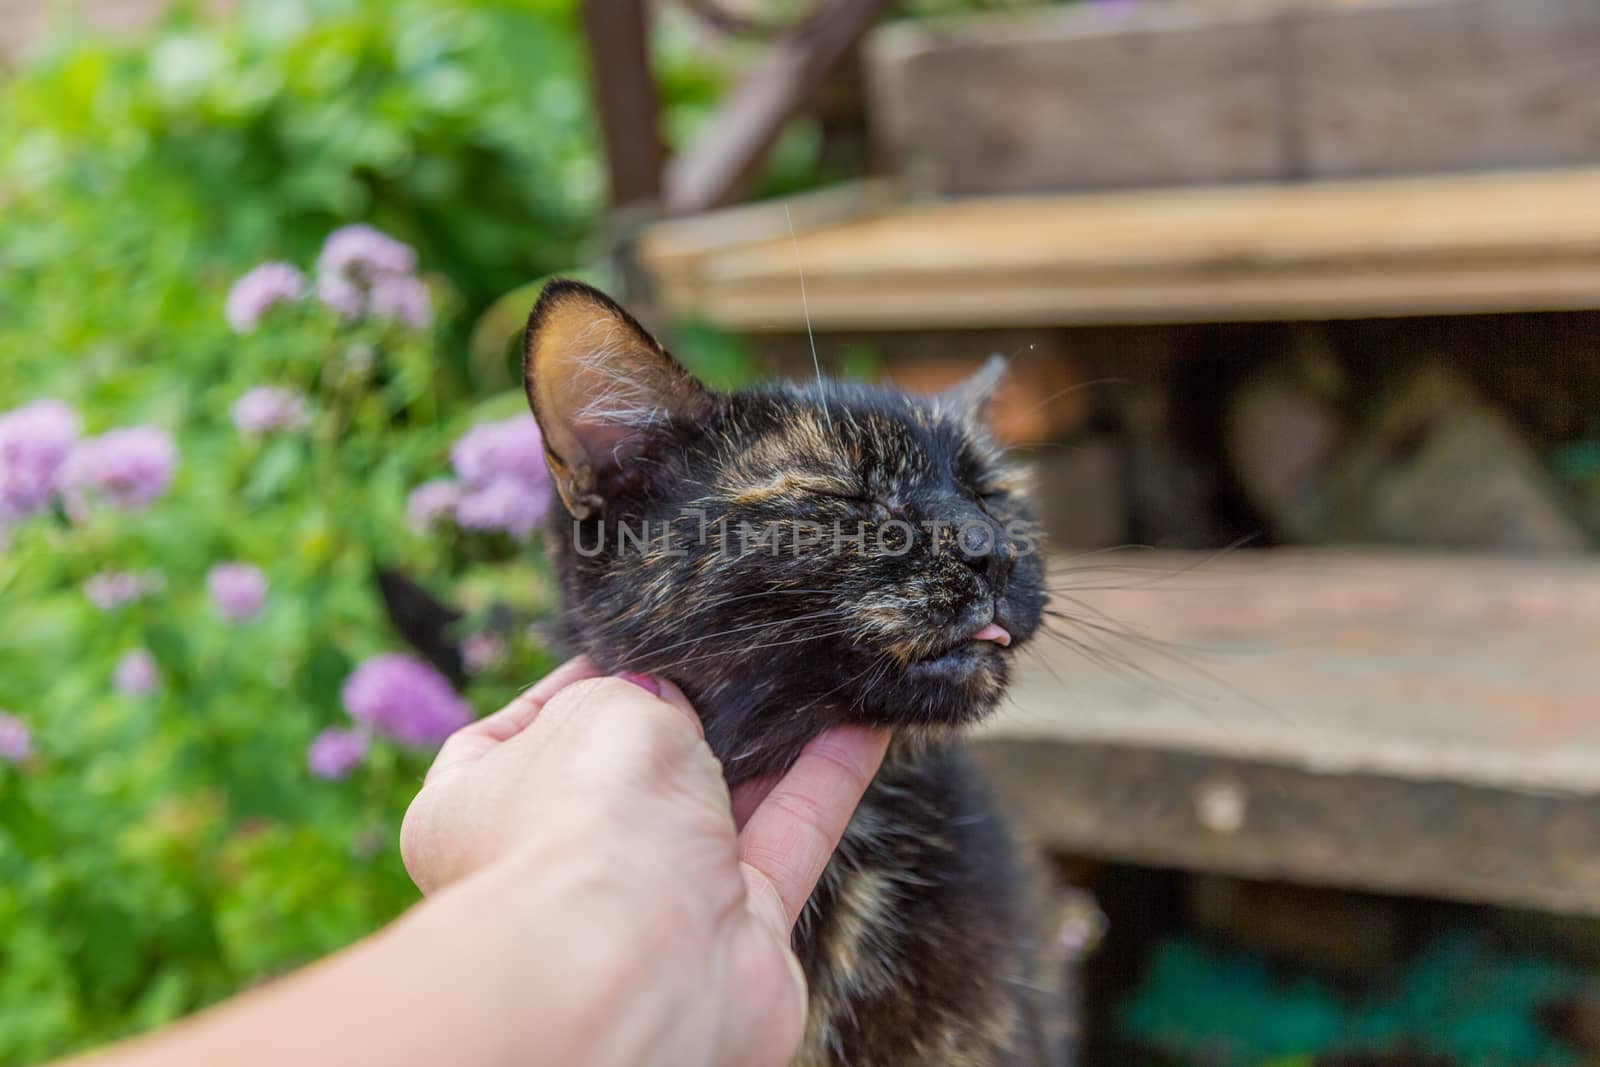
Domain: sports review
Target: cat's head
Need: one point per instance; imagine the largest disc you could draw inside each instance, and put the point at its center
(791, 556)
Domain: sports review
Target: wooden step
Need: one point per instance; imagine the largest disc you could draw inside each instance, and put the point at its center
(1425, 724)
(1148, 94)
(1503, 241)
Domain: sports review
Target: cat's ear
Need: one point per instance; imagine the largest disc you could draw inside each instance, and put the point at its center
(426, 622)
(597, 382)
(971, 397)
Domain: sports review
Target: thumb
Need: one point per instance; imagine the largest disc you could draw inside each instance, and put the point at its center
(667, 691)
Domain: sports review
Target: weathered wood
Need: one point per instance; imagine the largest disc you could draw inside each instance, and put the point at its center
(1168, 93)
(1446, 84)
(717, 166)
(618, 36)
(1439, 839)
(1512, 241)
(1091, 96)
(1406, 723)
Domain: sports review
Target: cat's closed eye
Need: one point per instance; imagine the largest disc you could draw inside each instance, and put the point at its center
(876, 506)
(859, 496)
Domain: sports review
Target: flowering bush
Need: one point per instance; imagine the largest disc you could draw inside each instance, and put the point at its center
(406, 699)
(503, 485)
(210, 730)
(237, 266)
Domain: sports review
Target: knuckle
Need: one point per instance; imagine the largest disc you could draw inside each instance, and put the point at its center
(801, 809)
(593, 704)
(831, 753)
(612, 702)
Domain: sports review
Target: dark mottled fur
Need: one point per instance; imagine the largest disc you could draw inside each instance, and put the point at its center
(919, 944)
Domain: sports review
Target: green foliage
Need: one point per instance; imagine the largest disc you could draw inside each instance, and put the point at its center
(721, 359)
(1461, 998)
(463, 129)
(160, 852)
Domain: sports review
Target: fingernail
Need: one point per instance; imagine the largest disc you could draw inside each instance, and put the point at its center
(643, 681)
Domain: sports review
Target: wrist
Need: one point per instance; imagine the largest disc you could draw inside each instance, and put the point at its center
(555, 945)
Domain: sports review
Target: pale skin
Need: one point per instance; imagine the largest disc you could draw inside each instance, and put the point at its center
(593, 895)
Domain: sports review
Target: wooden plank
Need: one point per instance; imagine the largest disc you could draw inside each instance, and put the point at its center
(618, 37)
(1447, 85)
(1102, 95)
(1093, 96)
(1398, 722)
(1272, 822)
(724, 158)
(1509, 241)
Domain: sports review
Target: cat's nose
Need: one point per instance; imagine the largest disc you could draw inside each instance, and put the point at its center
(984, 547)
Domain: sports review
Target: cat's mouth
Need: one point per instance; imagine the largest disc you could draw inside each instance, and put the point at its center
(993, 632)
(966, 656)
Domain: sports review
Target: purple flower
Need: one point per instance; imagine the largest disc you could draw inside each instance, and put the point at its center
(516, 507)
(512, 449)
(363, 271)
(237, 589)
(341, 296)
(16, 740)
(364, 252)
(430, 502)
(36, 441)
(401, 298)
(504, 484)
(268, 408)
(136, 673)
(482, 651)
(112, 589)
(265, 287)
(127, 468)
(404, 698)
(334, 753)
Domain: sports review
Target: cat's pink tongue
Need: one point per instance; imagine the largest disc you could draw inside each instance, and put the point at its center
(993, 632)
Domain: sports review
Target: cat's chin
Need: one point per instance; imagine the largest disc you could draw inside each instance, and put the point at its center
(962, 665)
(958, 686)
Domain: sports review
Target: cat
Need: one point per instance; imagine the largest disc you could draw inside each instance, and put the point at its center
(795, 557)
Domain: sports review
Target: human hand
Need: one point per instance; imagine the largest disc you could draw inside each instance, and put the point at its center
(658, 909)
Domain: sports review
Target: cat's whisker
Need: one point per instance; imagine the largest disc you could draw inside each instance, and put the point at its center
(1103, 634)
(805, 307)
(880, 668)
(744, 649)
(1082, 605)
(673, 623)
(637, 650)
(1117, 663)
(1172, 651)
(1075, 387)
(1044, 661)
(819, 699)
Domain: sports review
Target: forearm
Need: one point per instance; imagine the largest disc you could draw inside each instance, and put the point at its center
(494, 970)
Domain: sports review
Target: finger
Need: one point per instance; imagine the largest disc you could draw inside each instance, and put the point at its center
(748, 795)
(672, 695)
(597, 695)
(792, 834)
(516, 716)
(478, 737)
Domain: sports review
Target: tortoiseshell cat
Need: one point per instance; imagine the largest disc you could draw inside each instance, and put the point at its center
(795, 557)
